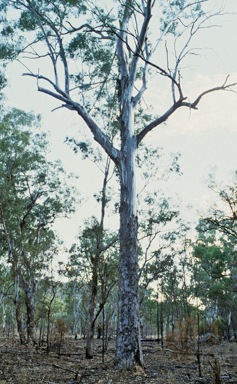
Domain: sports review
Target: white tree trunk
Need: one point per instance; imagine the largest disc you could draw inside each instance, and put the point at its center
(76, 307)
(3, 317)
(128, 349)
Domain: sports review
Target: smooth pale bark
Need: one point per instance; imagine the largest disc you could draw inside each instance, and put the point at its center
(3, 311)
(76, 306)
(3, 318)
(128, 349)
(161, 316)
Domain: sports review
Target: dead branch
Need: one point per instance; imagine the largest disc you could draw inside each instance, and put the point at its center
(182, 103)
(224, 87)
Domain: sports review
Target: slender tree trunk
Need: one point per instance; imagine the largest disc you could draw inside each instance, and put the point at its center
(173, 321)
(17, 302)
(157, 314)
(198, 349)
(161, 316)
(75, 330)
(216, 309)
(233, 326)
(48, 327)
(93, 298)
(76, 304)
(95, 263)
(157, 322)
(90, 335)
(2, 303)
(103, 322)
(168, 320)
(3, 318)
(212, 311)
(18, 310)
(12, 321)
(41, 334)
(48, 317)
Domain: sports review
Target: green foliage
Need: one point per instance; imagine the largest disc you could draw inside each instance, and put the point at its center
(92, 51)
(3, 82)
(33, 192)
(156, 165)
(156, 213)
(142, 118)
(170, 9)
(27, 22)
(8, 30)
(220, 324)
(213, 276)
(7, 52)
(213, 259)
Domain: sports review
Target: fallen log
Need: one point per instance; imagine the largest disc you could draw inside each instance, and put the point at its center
(209, 337)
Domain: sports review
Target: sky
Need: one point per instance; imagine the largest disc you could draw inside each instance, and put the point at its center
(206, 138)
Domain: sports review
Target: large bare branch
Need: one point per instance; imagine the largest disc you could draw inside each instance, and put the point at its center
(5, 231)
(195, 27)
(141, 39)
(104, 301)
(222, 226)
(121, 42)
(51, 52)
(98, 134)
(147, 59)
(143, 88)
(224, 87)
(55, 86)
(158, 121)
(65, 64)
(29, 208)
(175, 17)
(147, 62)
(169, 74)
(89, 28)
(182, 103)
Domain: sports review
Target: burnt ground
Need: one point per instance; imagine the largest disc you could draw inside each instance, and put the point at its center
(26, 364)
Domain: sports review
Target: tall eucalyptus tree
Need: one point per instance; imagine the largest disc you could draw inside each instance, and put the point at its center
(115, 47)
